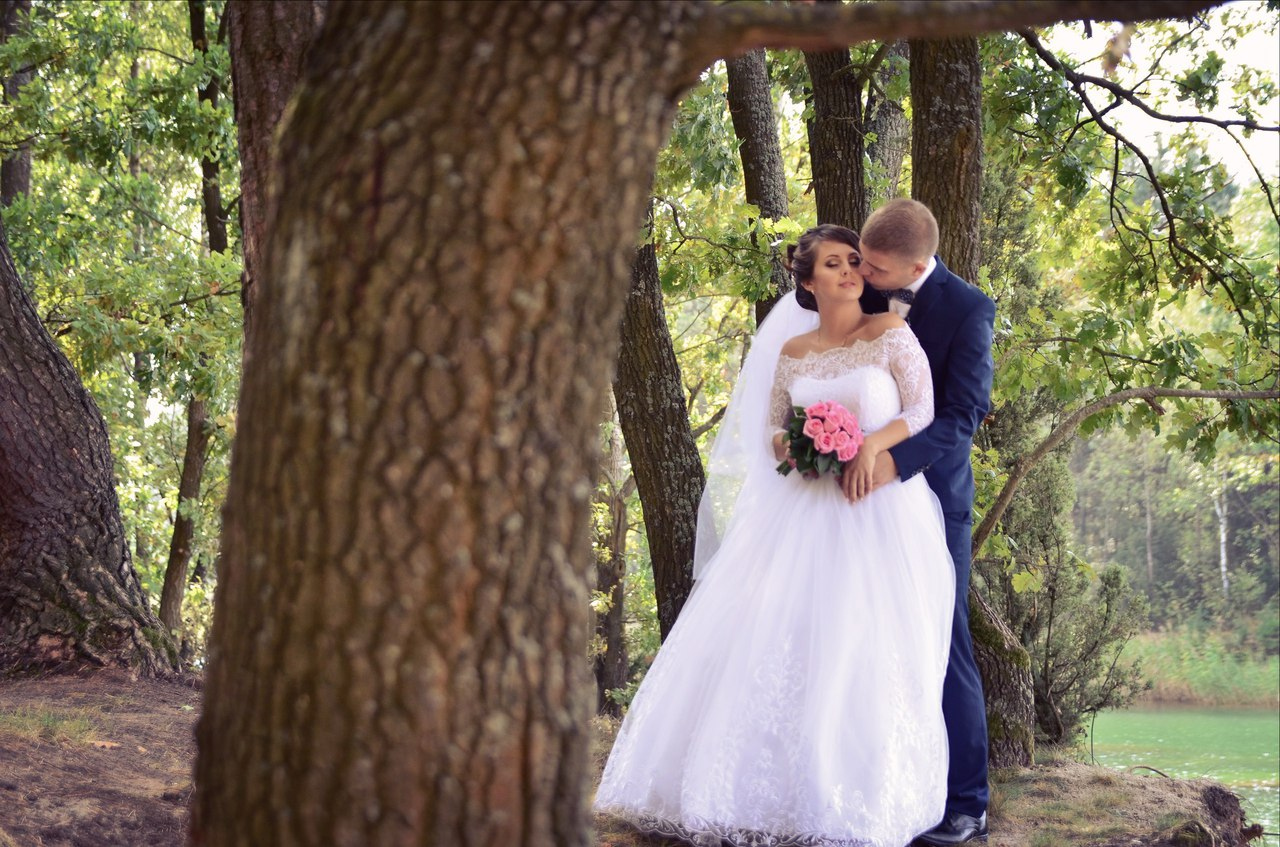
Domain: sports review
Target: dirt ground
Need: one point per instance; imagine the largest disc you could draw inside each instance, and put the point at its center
(95, 761)
(105, 760)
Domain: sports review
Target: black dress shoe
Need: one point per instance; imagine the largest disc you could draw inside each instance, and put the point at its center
(955, 829)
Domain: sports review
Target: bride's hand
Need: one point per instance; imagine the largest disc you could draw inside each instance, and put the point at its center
(858, 478)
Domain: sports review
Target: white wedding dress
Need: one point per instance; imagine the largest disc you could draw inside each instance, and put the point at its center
(797, 700)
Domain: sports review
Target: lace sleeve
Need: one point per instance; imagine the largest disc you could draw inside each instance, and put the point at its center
(910, 369)
(780, 397)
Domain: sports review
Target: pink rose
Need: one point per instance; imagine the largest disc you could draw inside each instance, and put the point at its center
(824, 442)
(831, 425)
(818, 410)
(842, 439)
(812, 427)
(847, 452)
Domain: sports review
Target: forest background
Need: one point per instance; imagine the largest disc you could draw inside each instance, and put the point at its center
(1118, 264)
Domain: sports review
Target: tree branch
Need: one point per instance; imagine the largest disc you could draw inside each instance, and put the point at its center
(1068, 427)
(709, 422)
(1176, 245)
(724, 31)
(1128, 96)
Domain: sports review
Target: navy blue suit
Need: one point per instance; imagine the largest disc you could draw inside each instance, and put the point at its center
(954, 322)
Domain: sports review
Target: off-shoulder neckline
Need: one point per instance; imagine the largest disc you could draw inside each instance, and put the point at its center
(850, 346)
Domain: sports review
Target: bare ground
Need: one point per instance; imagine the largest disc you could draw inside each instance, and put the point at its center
(105, 760)
(95, 761)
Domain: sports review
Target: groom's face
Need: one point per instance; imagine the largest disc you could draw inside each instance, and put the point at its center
(889, 271)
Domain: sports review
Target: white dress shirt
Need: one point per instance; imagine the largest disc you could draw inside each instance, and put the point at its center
(897, 306)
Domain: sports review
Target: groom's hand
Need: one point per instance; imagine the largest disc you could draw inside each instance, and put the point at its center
(886, 470)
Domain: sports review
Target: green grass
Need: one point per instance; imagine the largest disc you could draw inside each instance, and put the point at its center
(74, 725)
(1204, 668)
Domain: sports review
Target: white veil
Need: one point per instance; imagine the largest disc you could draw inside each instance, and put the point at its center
(741, 459)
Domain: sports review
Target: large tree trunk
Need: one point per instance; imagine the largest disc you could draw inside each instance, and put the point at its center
(946, 174)
(401, 617)
(655, 423)
(836, 139)
(269, 42)
(69, 597)
(15, 169)
(198, 423)
(611, 665)
(946, 145)
(763, 173)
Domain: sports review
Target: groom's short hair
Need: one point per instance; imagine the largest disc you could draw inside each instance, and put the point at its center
(904, 228)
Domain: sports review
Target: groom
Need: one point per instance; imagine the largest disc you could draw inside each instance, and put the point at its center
(953, 321)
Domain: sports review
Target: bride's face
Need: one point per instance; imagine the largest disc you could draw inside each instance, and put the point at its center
(835, 273)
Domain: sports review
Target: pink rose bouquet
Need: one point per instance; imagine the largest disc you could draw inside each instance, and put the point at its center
(820, 439)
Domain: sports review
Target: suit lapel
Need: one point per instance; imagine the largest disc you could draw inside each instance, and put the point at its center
(929, 294)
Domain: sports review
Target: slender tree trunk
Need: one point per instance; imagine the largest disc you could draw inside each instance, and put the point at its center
(269, 43)
(890, 127)
(836, 139)
(946, 146)
(141, 372)
(763, 173)
(199, 427)
(198, 423)
(15, 170)
(1220, 509)
(1150, 516)
(611, 665)
(946, 173)
(401, 613)
(69, 597)
(655, 423)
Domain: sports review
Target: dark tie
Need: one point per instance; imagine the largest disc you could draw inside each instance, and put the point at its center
(901, 294)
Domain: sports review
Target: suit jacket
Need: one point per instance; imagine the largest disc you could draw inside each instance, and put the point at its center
(954, 322)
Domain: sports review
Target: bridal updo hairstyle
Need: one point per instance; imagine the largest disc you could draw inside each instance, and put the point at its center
(802, 255)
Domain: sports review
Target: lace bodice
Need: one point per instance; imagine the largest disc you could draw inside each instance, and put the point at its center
(877, 380)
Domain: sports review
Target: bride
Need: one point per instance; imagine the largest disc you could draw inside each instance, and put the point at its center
(797, 700)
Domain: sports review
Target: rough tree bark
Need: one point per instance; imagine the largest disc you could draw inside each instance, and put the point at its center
(946, 175)
(655, 423)
(199, 425)
(401, 618)
(946, 145)
(402, 615)
(611, 665)
(837, 142)
(763, 174)
(15, 169)
(268, 44)
(69, 597)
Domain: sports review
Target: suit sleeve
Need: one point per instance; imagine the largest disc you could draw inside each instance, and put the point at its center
(966, 395)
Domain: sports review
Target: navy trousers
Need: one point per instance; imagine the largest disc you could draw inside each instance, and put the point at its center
(963, 707)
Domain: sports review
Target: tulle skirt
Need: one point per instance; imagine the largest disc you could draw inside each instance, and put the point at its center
(797, 700)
